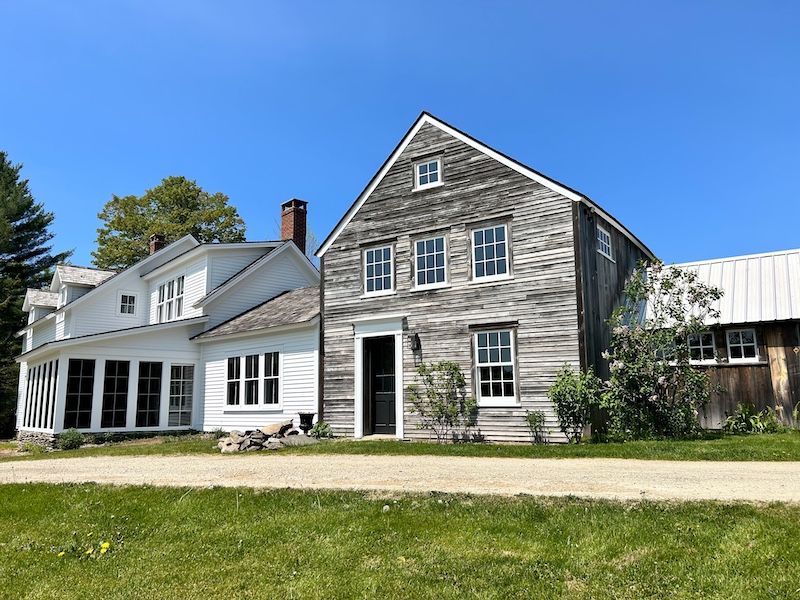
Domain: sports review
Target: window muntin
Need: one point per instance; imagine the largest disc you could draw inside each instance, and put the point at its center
(489, 252)
(169, 301)
(258, 376)
(80, 385)
(430, 261)
(428, 174)
(115, 393)
(742, 344)
(148, 397)
(701, 346)
(496, 382)
(127, 304)
(604, 242)
(181, 391)
(378, 270)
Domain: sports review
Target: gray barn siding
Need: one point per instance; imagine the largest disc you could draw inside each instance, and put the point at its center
(541, 298)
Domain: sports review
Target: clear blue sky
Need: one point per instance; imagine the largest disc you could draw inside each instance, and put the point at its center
(680, 118)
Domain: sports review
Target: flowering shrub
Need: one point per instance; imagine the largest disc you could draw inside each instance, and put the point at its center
(441, 401)
(653, 391)
(573, 397)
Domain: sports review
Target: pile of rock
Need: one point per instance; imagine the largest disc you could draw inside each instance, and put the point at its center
(271, 437)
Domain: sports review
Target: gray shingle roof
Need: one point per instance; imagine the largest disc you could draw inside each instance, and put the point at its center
(42, 298)
(82, 275)
(288, 308)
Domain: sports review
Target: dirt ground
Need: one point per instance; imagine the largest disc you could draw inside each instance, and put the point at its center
(595, 478)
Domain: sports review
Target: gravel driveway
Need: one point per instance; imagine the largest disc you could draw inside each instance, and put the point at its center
(596, 478)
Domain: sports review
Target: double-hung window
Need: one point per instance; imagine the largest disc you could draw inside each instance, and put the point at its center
(742, 344)
(490, 252)
(378, 270)
(701, 346)
(428, 173)
(496, 381)
(604, 243)
(430, 263)
(254, 380)
(169, 305)
(127, 304)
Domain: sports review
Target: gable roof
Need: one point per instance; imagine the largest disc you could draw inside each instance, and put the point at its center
(289, 308)
(427, 118)
(757, 288)
(81, 275)
(41, 298)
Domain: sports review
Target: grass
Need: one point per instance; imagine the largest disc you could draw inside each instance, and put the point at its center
(713, 447)
(168, 542)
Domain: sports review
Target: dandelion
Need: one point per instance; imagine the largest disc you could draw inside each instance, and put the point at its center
(62, 553)
(89, 551)
(104, 547)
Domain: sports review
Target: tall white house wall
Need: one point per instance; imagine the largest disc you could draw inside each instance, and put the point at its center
(298, 379)
(225, 264)
(757, 288)
(279, 275)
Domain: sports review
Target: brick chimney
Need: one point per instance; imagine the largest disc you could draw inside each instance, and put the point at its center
(157, 242)
(293, 222)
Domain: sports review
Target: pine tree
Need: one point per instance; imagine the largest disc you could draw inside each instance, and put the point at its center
(26, 261)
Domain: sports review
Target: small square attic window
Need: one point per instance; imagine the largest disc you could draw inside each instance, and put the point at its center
(428, 174)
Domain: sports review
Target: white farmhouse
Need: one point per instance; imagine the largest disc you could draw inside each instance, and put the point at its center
(195, 336)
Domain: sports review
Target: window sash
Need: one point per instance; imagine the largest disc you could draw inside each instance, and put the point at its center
(490, 252)
(379, 270)
(495, 366)
(742, 345)
(430, 260)
(169, 305)
(701, 346)
(428, 173)
(80, 387)
(257, 375)
(603, 242)
(127, 304)
(181, 392)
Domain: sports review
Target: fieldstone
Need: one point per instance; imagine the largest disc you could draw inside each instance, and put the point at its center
(230, 449)
(281, 428)
(298, 440)
(236, 436)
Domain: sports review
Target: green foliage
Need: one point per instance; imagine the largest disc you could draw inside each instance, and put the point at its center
(218, 433)
(26, 259)
(173, 209)
(441, 401)
(747, 420)
(320, 430)
(70, 439)
(573, 397)
(653, 391)
(32, 449)
(535, 420)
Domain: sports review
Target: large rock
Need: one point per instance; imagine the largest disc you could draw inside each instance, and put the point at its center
(298, 440)
(276, 429)
(236, 436)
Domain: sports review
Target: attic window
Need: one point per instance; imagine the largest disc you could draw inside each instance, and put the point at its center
(604, 243)
(428, 174)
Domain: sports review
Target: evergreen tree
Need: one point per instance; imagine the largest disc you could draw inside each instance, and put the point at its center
(26, 261)
(173, 209)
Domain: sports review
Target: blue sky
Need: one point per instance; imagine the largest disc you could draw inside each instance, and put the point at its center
(680, 118)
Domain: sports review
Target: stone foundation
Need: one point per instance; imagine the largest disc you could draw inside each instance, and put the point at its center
(47, 440)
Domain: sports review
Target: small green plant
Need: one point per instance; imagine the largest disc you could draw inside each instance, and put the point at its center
(320, 430)
(573, 397)
(441, 401)
(218, 433)
(70, 439)
(535, 421)
(32, 449)
(747, 420)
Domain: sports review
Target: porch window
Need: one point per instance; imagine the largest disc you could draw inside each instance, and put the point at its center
(115, 393)
(80, 383)
(496, 381)
(489, 253)
(148, 401)
(742, 344)
(181, 390)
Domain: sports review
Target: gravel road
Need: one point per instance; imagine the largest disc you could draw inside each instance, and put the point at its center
(594, 478)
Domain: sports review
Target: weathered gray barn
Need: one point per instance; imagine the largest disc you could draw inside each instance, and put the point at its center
(456, 252)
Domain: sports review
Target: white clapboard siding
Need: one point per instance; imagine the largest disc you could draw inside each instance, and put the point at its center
(298, 379)
(23, 384)
(100, 312)
(194, 286)
(225, 264)
(43, 333)
(279, 275)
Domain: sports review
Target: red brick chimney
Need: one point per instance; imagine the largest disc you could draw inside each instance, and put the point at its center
(157, 242)
(293, 222)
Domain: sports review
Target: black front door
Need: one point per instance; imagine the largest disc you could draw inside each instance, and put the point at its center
(379, 401)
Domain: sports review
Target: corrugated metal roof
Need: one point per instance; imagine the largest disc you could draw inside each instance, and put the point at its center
(757, 288)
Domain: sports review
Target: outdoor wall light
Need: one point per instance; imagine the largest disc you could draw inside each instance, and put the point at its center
(413, 340)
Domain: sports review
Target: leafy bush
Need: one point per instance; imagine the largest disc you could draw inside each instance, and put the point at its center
(573, 397)
(320, 430)
(747, 420)
(69, 439)
(441, 401)
(535, 421)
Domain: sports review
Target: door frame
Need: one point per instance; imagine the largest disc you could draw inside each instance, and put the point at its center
(385, 326)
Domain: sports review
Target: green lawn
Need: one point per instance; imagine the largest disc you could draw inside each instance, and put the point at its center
(766, 447)
(240, 543)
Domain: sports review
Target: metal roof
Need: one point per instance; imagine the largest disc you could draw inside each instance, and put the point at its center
(757, 288)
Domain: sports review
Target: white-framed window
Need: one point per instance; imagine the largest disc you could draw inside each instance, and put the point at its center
(428, 173)
(181, 392)
(378, 270)
(430, 262)
(254, 380)
(604, 243)
(742, 344)
(127, 304)
(701, 346)
(169, 302)
(490, 253)
(62, 295)
(494, 359)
